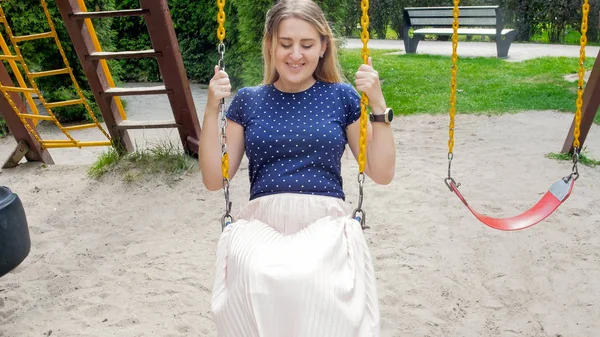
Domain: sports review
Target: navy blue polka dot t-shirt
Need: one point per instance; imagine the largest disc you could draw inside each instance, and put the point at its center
(295, 141)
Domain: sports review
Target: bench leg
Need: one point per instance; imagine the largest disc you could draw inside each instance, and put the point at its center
(503, 44)
(410, 44)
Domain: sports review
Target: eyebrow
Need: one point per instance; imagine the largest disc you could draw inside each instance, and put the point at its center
(302, 40)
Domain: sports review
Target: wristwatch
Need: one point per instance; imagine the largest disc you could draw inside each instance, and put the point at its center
(385, 117)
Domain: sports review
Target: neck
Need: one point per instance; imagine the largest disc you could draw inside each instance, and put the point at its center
(291, 87)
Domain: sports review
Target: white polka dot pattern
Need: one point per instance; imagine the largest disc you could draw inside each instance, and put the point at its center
(295, 141)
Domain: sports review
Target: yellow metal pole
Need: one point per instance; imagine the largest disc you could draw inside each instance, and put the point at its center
(13, 65)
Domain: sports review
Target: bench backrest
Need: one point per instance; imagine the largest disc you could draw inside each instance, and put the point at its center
(470, 16)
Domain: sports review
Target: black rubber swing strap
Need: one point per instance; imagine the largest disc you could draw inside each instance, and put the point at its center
(556, 195)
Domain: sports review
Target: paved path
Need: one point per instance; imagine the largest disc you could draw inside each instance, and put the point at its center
(517, 52)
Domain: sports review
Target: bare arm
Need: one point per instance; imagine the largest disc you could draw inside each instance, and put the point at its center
(381, 150)
(210, 147)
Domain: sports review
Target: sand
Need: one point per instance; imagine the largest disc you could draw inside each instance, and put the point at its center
(115, 259)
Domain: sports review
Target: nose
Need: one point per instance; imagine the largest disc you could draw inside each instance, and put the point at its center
(296, 53)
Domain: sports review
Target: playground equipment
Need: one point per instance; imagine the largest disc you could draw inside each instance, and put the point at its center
(561, 189)
(21, 123)
(15, 243)
(78, 22)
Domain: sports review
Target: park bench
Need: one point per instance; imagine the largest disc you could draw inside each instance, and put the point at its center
(473, 20)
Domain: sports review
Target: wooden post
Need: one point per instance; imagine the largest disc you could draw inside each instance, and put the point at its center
(84, 46)
(164, 41)
(27, 145)
(591, 102)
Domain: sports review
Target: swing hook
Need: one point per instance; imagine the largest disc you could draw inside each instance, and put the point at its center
(358, 210)
(450, 181)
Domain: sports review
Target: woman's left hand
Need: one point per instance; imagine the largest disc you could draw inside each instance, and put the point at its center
(367, 81)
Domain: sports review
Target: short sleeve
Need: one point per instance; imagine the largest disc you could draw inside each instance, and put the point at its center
(351, 102)
(235, 112)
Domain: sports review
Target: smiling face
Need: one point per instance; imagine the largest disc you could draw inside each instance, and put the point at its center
(297, 53)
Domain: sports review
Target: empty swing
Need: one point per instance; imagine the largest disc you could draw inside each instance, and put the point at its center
(561, 189)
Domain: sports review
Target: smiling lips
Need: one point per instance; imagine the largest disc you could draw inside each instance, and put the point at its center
(295, 65)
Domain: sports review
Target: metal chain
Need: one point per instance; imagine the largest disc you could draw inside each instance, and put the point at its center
(455, 14)
(585, 9)
(364, 102)
(226, 218)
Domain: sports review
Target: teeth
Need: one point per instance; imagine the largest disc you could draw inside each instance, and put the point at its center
(295, 65)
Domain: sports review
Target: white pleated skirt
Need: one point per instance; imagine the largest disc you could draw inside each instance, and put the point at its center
(294, 265)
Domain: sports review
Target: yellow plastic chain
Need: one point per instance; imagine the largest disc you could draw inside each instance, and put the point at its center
(221, 37)
(221, 20)
(364, 100)
(580, 84)
(455, 14)
(226, 218)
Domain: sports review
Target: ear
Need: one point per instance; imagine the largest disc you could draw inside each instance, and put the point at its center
(323, 47)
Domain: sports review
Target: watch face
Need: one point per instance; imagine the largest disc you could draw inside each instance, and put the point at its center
(390, 115)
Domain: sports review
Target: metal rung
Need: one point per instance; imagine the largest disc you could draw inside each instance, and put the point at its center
(137, 91)
(108, 14)
(9, 57)
(16, 89)
(122, 55)
(33, 37)
(129, 124)
(80, 127)
(58, 144)
(64, 103)
(43, 117)
(59, 141)
(49, 73)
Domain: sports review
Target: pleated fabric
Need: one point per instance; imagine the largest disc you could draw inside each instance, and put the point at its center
(294, 265)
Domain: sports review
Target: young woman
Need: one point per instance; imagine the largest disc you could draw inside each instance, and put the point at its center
(295, 263)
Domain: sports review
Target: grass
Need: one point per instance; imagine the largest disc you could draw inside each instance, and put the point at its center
(163, 159)
(415, 84)
(583, 159)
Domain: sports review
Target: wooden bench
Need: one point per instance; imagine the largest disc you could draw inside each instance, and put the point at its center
(473, 20)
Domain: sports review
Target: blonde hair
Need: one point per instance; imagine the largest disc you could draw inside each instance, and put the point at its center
(328, 68)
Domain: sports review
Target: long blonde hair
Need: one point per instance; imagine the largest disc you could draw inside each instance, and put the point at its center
(328, 68)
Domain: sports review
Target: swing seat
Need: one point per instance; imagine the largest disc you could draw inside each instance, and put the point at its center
(554, 197)
(15, 243)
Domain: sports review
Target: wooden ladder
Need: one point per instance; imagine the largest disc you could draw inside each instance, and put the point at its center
(166, 51)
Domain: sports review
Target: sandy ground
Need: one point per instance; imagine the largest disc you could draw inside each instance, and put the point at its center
(116, 259)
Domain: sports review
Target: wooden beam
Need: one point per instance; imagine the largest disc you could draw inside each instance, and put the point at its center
(591, 102)
(15, 157)
(108, 14)
(15, 126)
(122, 55)
(162, 34)
(129, 124)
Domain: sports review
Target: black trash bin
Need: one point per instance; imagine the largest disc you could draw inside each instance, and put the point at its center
(14, 232)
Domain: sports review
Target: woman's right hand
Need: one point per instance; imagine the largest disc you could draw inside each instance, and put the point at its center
(219, 87)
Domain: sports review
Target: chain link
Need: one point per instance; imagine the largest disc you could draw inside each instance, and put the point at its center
(226, 218)
(585, 9)
(359, 213)
(453, 83)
